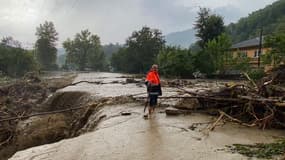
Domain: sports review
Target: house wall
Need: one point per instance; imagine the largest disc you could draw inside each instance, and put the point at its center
(251, 52)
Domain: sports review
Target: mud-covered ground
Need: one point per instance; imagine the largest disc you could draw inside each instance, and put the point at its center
(108, 124)
(29, 96)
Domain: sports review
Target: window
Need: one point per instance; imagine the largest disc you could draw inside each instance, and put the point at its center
(256, 54)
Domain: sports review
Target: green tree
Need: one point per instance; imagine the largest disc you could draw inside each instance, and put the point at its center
(216, 55)
(46, 45)
(203, 63)
(141, 50)
(119, 61)
(175, 61)
(10, 42)
(218, 50)
(240, 62)
(271, 19)
(85, 50)
(15, 61)
(208, 26)
(277, 53)
(110, 49)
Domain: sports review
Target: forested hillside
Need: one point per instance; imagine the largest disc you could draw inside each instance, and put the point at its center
(183, 38)
(271, 19)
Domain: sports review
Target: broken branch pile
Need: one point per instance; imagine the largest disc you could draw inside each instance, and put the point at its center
(259, 104)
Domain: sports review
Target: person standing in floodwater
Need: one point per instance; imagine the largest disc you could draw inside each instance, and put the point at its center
(153, 89)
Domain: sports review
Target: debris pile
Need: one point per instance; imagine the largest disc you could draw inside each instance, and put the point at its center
(23, 97)
(22, 104)
(250, 104)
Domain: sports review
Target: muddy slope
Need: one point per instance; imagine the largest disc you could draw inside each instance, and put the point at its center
(25, 97)
(65, 115)
(37, 130)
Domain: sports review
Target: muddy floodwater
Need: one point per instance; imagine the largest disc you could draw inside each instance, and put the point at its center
(162, 137)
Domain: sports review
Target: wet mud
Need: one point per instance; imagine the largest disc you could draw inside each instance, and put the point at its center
(160, 137)
(108, 125)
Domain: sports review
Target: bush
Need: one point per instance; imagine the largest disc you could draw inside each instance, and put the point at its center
(256, 74)
(15, 62)
(176, 62)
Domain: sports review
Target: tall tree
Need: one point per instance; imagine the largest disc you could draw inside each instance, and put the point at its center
(9, 41)
(208, 26)
(46, 45)
(119, 61)
(85, 50)
(142, 47)
(215, 56)
(218, 50)
(277, 53)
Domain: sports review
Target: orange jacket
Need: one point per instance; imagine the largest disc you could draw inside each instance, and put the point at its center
(153, 77)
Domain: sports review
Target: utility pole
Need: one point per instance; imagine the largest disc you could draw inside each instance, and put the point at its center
(260, 47)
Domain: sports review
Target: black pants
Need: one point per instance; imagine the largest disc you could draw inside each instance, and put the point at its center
(153, 100)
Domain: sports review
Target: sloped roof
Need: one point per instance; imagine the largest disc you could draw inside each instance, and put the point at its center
(248, 43)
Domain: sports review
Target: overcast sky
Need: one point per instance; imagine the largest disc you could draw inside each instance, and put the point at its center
(112, 20)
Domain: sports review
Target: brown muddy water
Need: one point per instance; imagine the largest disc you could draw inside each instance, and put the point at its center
(107, 134)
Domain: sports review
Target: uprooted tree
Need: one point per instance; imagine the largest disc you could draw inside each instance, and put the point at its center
(250, 104)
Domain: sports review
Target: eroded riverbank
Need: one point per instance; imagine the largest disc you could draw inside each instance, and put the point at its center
(161, 137)
(113, 135)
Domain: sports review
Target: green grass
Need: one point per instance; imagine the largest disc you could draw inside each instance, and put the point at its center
(260, 150)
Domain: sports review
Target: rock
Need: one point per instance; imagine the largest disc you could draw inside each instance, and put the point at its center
(175, 111)
(163, 82)
(32, 77)
(188, 104)
(131, 80)
(198, 74)
(125, 113)
(115, 82)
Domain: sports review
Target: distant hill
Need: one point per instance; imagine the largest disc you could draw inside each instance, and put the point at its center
(271, 19)
(183, 38)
